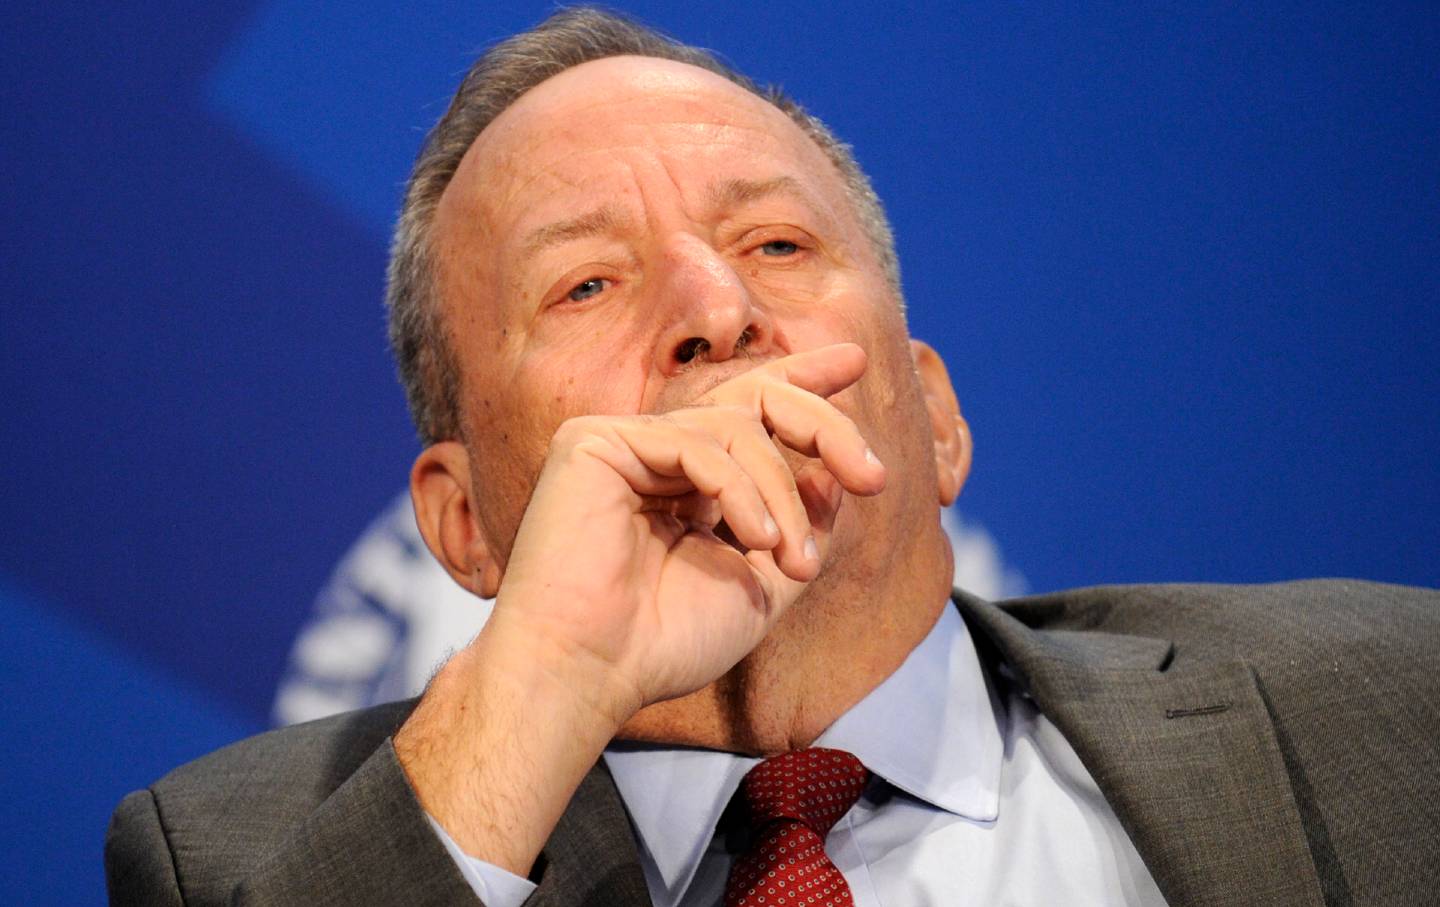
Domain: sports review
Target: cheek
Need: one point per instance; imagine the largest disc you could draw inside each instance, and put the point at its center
(854, 316)
(866, 316)
(591, 376)
(797, 286)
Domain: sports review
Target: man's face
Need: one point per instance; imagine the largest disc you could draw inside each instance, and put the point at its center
(633, 232)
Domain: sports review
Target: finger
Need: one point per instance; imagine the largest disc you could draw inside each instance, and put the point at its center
(672, 449)
(752, 448)
(824, 371)
(615, 453)
(812, 426)
(822, 496)
(671, 516)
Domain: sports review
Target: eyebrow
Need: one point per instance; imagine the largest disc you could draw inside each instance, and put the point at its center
(732, 193)
(736, 192)
(591, 223)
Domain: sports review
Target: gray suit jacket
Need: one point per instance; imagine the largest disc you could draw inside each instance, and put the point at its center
(1266, 745)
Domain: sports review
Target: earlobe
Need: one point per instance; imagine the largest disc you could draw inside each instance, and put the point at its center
(440, 490)
(954, 464)
(949, 430)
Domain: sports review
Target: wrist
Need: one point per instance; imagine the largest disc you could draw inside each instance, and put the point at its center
(585, 689)
(500, 741)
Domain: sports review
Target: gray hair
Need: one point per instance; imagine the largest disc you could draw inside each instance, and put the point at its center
(418, 335)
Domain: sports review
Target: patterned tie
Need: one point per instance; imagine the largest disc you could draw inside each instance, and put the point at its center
(793, 800)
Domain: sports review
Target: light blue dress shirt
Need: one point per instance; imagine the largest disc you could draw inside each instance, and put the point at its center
(977, 800)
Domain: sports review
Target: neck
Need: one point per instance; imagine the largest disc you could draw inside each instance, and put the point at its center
(850, 631)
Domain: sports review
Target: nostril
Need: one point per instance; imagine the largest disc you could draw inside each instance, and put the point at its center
(744, 339)
(691, 348)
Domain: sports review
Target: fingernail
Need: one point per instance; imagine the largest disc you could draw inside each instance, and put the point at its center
(770, 527)
(812, 550)
(871, 458)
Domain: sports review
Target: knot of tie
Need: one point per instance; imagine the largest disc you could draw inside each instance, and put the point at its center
(793, 801)
(814, 787)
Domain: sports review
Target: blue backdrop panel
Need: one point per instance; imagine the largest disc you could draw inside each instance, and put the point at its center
(87, 722)
(1184, 265)
(200, 410)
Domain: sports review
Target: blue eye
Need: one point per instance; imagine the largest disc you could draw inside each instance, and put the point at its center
(587, 289)
(779, 247)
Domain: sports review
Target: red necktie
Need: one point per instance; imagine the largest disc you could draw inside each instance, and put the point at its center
(793, 801)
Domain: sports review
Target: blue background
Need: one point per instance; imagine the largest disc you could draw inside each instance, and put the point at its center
(1184, 265)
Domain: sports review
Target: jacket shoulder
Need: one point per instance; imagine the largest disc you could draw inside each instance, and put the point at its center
(220, 815)
(1246, 620)
(316, 756)
(1350, 649)
(1345, 671)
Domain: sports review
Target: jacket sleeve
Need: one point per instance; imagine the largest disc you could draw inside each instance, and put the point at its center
(368, 842)
(139, 868)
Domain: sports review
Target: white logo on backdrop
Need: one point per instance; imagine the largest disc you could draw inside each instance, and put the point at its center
(390, 615)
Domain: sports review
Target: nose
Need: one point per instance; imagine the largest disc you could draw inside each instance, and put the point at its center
(710, 311)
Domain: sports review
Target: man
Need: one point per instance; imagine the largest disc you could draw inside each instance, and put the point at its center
(650, 324)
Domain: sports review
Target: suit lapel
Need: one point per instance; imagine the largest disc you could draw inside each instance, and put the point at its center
(1187, 757)
(591, 858)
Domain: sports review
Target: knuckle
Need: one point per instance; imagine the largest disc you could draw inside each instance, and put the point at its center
(586, 434)
(755, 431)
(692, 430)
(725, 414)
(571, 432)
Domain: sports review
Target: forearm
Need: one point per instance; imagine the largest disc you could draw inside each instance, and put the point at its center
(501, 740)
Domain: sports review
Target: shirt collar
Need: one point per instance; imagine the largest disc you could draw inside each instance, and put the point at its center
(929, 729)
(675, 797)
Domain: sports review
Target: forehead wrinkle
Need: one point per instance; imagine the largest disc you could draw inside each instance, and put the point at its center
(530, 147)
(516, 153)
(729, 194)
(732, 193)
(605, 219)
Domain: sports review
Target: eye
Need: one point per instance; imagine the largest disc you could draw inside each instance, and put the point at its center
(587, 289)
(779, 247)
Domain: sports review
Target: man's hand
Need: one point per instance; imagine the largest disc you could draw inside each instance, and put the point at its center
(617, 561)
(623, 588)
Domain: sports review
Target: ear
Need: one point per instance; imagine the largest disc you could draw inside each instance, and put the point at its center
(440, 490)
(949, 429)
